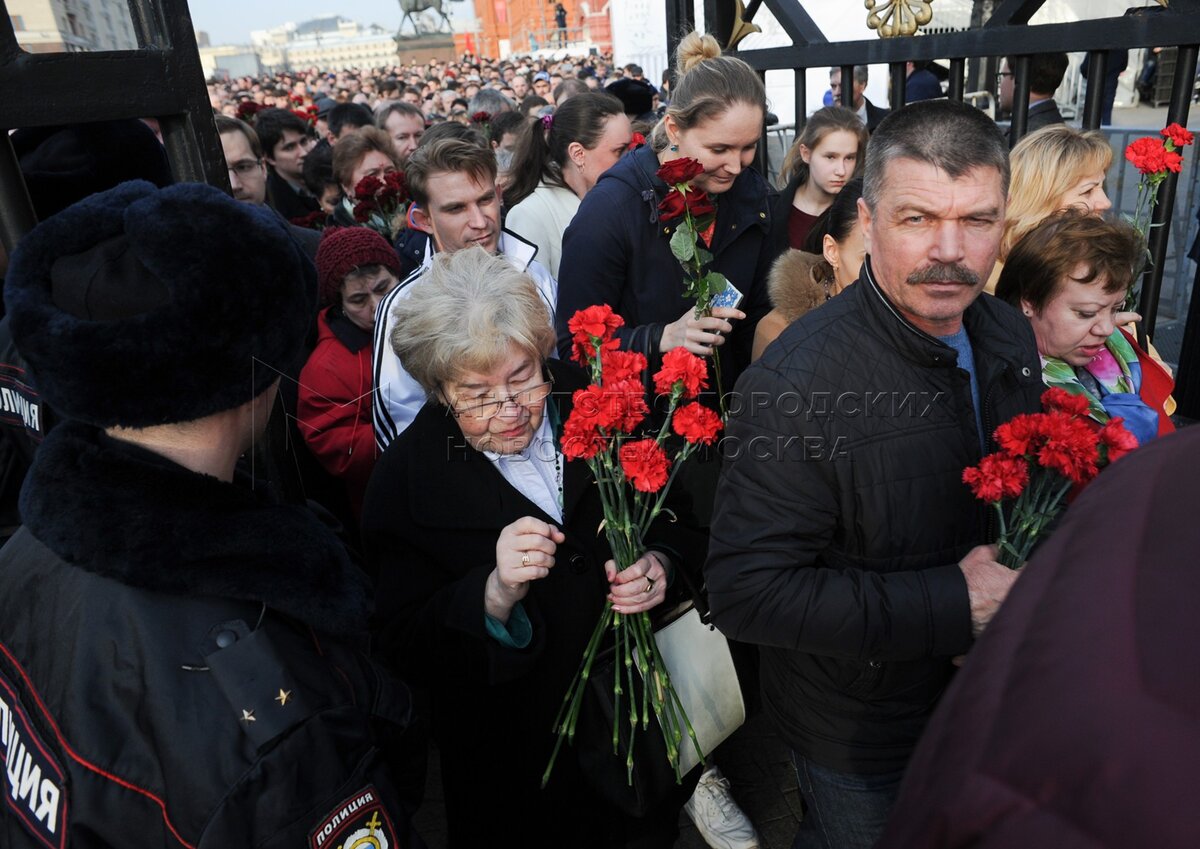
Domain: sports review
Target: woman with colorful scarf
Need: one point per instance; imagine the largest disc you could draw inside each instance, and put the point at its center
(1069, 275)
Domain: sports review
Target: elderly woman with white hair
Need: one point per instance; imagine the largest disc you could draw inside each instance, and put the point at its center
(491, 570)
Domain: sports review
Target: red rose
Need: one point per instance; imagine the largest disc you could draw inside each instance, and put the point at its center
(645, 464)
(681, 367)
(997, 476)
(1115, 440)
(1065, 402)
(672, 206)
(580, 440)
(1147, 154)
(368, 187)
(637, 141)
(1178, 135)
(617, 366)
(699, 204)
(680, 170)
(481, 117)
(696, 423)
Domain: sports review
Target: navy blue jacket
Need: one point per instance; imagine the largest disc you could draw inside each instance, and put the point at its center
(617, 252)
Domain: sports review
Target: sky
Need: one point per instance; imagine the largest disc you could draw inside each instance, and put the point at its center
(230, 21)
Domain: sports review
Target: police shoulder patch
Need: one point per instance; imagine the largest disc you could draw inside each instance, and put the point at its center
(358, 822)
(33, 784)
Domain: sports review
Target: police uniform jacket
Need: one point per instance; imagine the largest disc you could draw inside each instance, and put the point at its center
(175, 666)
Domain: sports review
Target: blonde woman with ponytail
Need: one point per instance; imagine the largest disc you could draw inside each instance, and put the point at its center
(617, 250)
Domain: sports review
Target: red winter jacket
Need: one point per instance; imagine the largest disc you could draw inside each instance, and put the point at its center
(335, 403)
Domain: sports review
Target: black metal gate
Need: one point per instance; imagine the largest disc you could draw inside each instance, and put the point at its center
(1006, 33)
(161, 79)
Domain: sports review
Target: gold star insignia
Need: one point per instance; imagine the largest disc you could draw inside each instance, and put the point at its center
(248, 716)
(283, 696)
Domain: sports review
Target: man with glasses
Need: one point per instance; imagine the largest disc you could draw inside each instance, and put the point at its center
(453, 187)
(286, 140)
(1046, 72)
(248, 173)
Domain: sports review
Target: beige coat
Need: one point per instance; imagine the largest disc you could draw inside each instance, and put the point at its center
(798, 282)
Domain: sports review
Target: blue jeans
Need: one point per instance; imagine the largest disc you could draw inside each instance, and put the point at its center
(842, 810)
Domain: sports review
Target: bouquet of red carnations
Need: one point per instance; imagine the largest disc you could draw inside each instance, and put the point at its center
(633, 473)
(382, 205)
(1155, 159)
(1042, 456)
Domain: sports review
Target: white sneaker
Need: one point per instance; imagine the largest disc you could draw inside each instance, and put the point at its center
(718, 818)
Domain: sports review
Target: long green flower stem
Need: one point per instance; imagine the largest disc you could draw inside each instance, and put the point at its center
(1035, 508)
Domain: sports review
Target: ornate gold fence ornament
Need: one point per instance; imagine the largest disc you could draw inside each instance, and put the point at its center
(898, 17)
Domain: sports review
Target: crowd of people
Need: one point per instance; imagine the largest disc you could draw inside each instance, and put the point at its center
(295, 502)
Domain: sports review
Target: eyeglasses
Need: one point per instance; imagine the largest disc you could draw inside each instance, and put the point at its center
(245, 167)
(1000, 74)
(490, 409)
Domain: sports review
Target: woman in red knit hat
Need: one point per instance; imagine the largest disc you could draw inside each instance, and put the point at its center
(356, 268)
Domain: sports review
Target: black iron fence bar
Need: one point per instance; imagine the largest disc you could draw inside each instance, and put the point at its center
(162, 79)
(16, 209)
(1162, 30)
(1019, 68)
(847, 98)
(896, 84)
(1177, 113)
(1093, 106)
(958, 70)
(800, 93)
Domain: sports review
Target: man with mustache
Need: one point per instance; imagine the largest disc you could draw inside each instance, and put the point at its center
(844, 542)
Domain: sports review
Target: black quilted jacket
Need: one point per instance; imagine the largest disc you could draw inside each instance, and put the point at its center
(841, 517)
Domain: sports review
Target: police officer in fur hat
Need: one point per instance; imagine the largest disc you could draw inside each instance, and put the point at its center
(177, 661)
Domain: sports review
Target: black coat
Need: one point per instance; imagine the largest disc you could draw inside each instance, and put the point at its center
(176, 655)
(433, 512)
(841, 517)
(617, 252)
(875, 114)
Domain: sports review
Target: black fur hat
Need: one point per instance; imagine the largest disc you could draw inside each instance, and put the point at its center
(141, 306)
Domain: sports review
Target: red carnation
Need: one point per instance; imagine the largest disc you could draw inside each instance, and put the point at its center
(1070, 447)
(696, 423)
(617, 366)
(368, 187)
(618, 407)
(1179, 136)
(1172, 161)
(1116, 440)
(1147, 154)
(645, 464)
(364, 209)
(1065, 402)
(1021, 435)
(680, 170)
(997, 476)
(683, 368)
(580, 440)
(637, 141)
(589, 324)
